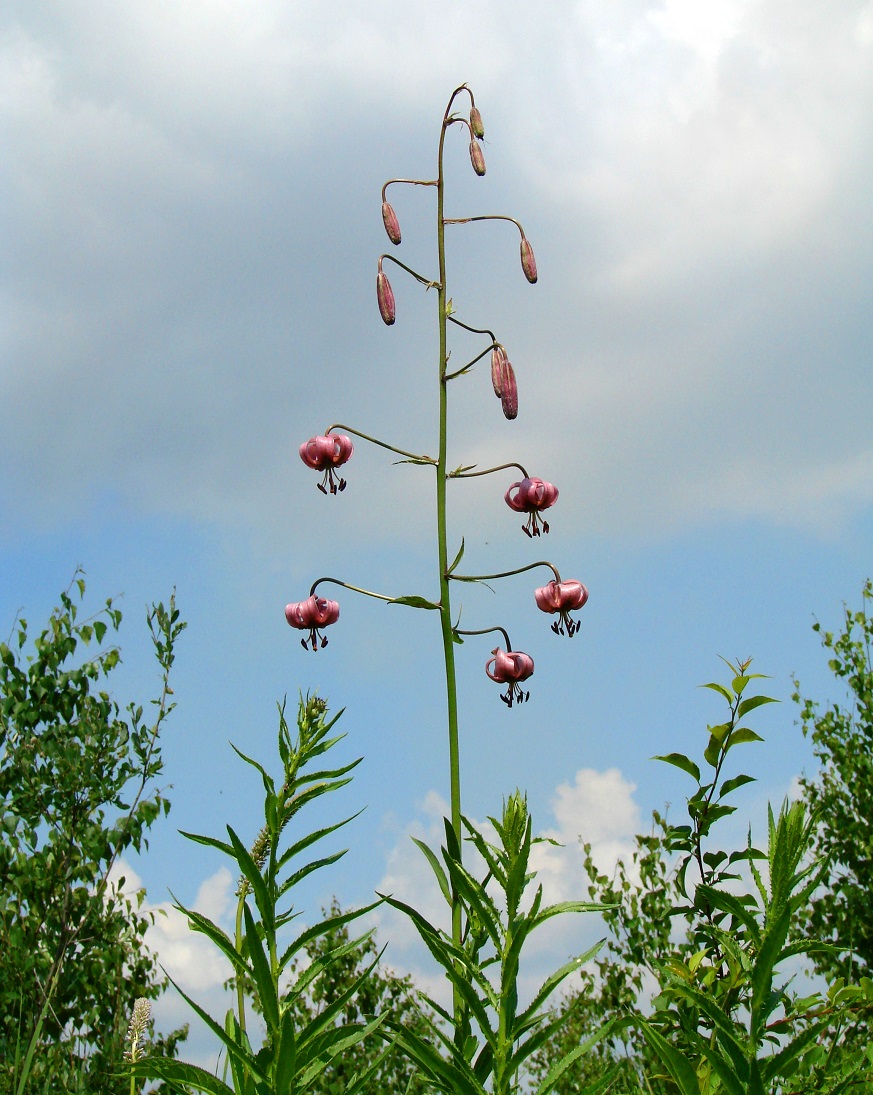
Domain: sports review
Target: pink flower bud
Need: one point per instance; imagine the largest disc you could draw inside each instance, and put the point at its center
(392, 224)
(531, 496)
(528, 262)
(478, 129)
(510, 668)
(477, 157)
(385, 296)
(310, 615)
(509, 391)
(498, 358)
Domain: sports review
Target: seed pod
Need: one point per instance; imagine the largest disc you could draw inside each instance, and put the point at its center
(476, 123)
(498, 357)
(528, 262)
(509, 391)
(392, 225)
(477, 158)
(385, 296)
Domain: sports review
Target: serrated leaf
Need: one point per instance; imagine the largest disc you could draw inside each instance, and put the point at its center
(414, 602)
(679, 760)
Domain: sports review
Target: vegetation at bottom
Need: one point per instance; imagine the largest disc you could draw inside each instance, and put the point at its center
(699, 986)
(78, 791)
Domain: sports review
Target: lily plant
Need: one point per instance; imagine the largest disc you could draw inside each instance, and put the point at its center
(528, 495)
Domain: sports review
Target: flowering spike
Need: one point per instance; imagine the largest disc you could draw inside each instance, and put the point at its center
(324, 454)
(385, 296)
(510, 668)
(311, 615)
(528, 262)
(562, 598)
(531, 496)
(392, 224)
(477, 157)
(476, 126)
(509, 391)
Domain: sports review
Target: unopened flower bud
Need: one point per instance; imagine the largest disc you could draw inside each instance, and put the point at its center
(477, 158)
(528, 262)
(392, 225)
(509, 392)
(385, 296)
(476, 125)
(498, 357)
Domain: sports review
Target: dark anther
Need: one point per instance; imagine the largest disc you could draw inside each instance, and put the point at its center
(322, 488)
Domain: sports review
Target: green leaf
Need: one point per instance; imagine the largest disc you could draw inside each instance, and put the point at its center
(742, 735)
(177, 1072)
(679, 760)
(267, 990)
(732, 784)
(751, 703)
(676, 1063)
(457, 558)
(414, 602)
(250, 870)
(722, 691)
(437, 869)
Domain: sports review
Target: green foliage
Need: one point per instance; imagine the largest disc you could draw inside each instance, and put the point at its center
(76, 793)
(487, 1043)
(382, 992)
(300, 1045)
(841, 794)
(714, 931)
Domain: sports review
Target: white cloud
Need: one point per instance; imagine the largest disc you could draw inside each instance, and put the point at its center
(193, 199)
(598, 807)
(189, 958)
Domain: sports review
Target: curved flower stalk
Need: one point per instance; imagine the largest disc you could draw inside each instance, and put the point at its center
(510, 667)
(562, 598)
(532, 496)
(324, 453)
(311, 615)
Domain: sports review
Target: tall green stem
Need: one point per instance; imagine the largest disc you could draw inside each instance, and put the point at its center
(445, 598)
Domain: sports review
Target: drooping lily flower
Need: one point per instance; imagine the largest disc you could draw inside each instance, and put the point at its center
(310, 615)
(510, 668)
(324, 454)
(531, 496)
(477, 157)
(562, 597)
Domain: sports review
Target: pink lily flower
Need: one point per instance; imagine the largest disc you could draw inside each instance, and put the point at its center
(324, 454)
(310, 615)
(531, 496)
(562, 597)
(510, 668)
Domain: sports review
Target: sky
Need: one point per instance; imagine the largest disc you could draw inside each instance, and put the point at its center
(190, 230)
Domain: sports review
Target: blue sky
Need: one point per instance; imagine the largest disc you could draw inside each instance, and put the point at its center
(191, 225)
